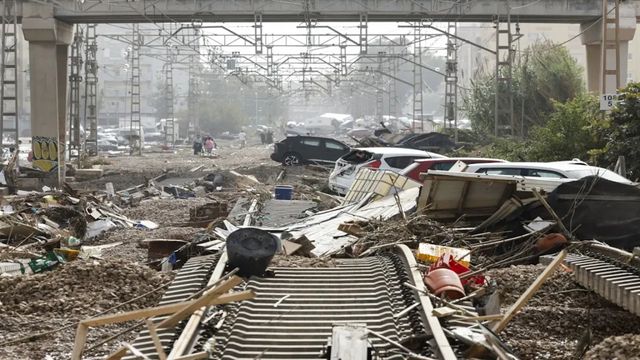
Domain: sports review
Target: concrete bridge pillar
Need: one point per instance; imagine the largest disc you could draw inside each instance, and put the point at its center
(49, 40)
(592, 39)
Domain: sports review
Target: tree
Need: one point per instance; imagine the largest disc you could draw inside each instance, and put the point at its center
(573, 130)
(544, 74)
(623, 131)
(570, 131)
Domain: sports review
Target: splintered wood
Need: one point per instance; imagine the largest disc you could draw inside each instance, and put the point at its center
(215, 296)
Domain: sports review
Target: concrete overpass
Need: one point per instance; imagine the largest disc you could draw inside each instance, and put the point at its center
(126, 11)
(47, 25)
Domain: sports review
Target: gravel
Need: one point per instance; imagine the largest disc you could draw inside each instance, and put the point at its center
(71, 292)
(559, 315)
(624, 347)
(131, 248)
(164, 212)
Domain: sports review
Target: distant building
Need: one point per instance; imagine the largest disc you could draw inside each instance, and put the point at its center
(113, 80)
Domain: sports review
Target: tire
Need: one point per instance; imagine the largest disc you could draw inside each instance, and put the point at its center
(291, 159)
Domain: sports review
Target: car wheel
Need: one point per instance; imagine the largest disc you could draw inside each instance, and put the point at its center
(291, 159)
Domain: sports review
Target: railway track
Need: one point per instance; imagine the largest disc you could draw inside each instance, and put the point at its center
(364, 291)
(192, 277)
(612, 273)
(294, 311)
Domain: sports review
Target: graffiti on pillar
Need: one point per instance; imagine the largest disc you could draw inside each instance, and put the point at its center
(45, 153)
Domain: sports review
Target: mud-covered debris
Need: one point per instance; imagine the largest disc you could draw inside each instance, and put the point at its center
(616, 347)
(301, 261)
(559, 314)
(81, 287)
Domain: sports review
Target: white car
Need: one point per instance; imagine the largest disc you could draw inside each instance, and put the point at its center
(574, 169)
(383, 158)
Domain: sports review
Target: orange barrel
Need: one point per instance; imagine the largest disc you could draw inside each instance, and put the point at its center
(444, 282)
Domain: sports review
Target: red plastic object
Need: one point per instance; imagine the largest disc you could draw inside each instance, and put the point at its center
(447, 261)
(444, 282)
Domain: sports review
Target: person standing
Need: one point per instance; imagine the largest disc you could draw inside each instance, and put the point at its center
(197, 146)
(242, 136)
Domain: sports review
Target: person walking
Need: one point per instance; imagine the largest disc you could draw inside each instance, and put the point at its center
(209, 145)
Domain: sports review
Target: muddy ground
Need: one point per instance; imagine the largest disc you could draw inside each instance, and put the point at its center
(550, 327)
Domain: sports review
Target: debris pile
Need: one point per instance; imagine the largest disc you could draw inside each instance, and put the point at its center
(470, 243)
(561, 316)
(40, 310)
(416, 229)
(302, 261)
(165, 211)
(80, 288)
(616, 347)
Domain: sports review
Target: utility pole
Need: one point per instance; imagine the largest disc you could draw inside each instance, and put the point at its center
(504, 122)
(379, 91)
(90, 91)
(607, 45)
(194, 93)
(75, 79)
(417, 80)
(393, 90)
(9, 85)
(169, 123)
(451, 81)
(135, 124)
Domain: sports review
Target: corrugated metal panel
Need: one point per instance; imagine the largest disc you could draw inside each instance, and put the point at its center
(322, 229)
(377, 184)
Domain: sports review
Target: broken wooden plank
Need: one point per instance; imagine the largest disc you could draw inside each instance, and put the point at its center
(493, 317)
(528, 294)
(351, 229)
(553, 214)
(248, 219)
(135, 315)
(156, 340)
(83, 326)
(196, 356)
(216, 292)
(81, 338)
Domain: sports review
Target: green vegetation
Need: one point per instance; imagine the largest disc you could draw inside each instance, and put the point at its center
(622, 131)
(578, 129)
(561, 121)
(544, 75)
(571, 131)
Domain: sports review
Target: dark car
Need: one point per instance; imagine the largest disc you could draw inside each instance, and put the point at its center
(298, 150)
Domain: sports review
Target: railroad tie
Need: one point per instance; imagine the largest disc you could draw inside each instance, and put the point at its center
(610, 281)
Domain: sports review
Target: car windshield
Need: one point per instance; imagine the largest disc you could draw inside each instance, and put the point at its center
(603, 173)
